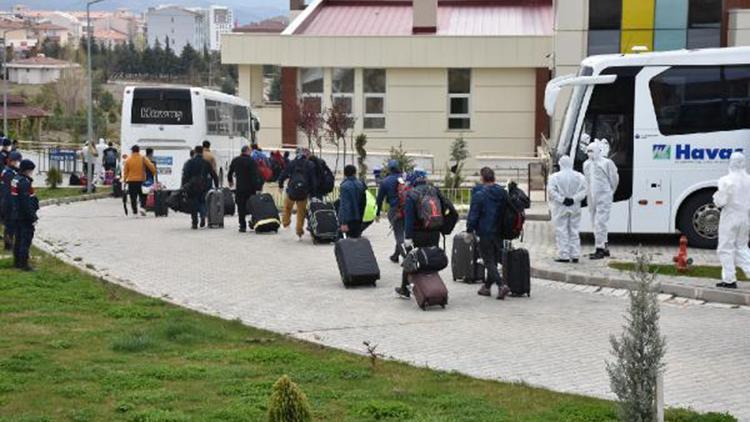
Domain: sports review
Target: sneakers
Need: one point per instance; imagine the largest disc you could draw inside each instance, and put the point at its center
(404, 293)
(727, 285)
(504, 291)
(484, 291)
(394, 258)
(203, 221)
(598, 254)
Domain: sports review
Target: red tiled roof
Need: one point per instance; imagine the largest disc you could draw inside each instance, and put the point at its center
(274, 26)
(16, 112)
(48, 27)
(40, 61)
(456, 17)
(110, 34)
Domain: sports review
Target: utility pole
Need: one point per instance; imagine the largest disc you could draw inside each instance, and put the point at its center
(90, 105)
(5, 85)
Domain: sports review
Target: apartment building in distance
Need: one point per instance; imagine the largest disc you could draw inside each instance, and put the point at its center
(220, 21)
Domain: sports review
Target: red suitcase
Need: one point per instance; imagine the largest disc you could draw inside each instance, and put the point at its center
(429, 290)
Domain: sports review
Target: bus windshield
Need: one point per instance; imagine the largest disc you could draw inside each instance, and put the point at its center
(161, 106)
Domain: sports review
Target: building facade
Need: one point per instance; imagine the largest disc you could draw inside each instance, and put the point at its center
(416, 75)
(220, 21)
(37, 70)
(180, 25)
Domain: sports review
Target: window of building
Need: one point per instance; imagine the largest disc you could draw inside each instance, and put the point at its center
(271, 84)
(342, 89)
(374, 95)
(700, 99)
(311, 84)
(704, 23)
(459, 95)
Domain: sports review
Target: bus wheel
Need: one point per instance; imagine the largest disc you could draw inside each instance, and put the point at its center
(699, 220)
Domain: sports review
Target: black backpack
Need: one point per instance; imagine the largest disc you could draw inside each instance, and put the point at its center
(299, 187)
(110, 157)
(513, 217)
(326, 180)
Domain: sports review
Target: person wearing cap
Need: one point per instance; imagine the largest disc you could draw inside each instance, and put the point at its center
(23, 213)
(4, 151)
(134, 174)
(6, 178)
(245, 170)
(388, 190)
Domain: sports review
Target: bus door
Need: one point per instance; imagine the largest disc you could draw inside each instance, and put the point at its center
(651, 203)
(609, 115)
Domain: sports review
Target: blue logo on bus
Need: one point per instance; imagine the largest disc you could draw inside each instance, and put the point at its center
(687, 152)
(661, 152)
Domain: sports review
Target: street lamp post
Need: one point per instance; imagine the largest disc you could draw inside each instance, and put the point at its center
(5, 85)
(90, 105)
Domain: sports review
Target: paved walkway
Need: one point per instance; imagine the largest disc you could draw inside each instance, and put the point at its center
(557, 339)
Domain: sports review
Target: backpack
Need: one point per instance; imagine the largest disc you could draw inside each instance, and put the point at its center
(403, 192)
(299, 188)
(450, 217)
(513, 217)
(429, 207)
(264, 170)
(326, 180)
(110, 157)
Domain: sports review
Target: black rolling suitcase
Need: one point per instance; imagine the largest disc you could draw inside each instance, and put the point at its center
(160, 203)
(516, 270)
(117, 188)
(322, 222)
(215, 208)
(228, 201)
(465, 263)
(357, 263)
(264, 214)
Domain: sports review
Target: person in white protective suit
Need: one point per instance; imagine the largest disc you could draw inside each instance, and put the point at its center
(602, 179)
(566, 190)
(734, 224)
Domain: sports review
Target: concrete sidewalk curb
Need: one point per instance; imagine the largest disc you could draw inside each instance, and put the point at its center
(708, 294)
(78, 198)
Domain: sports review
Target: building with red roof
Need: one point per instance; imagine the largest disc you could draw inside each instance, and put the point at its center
(37, 70)
(419, 73)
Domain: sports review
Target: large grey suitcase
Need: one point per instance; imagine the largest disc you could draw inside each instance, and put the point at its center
(215, 208)
(465, 263)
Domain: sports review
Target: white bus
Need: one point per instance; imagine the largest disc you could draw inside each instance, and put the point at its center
(672, 120)
(172, 120)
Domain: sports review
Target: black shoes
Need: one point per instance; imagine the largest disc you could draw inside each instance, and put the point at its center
(504, 291)
(599, 254)
(484, 291)
(394, 258)
(203, 222)
(562, 260)
(727, 285)
(403, 292)
(243, 230)
(574, 260)
(194, 226)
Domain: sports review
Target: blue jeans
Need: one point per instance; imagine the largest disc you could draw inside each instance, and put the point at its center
(197, 207)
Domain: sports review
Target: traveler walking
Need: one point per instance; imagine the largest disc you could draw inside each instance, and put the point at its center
(734, 226)
(197, 176)
(566, 190)
(424, 214)
(352, 203)
(6, 179)
(245, 169)
(24, 206)
(301, 175)
(488, 201)
(134, 174)
(209, 156)
(109, 157)
(389, 190)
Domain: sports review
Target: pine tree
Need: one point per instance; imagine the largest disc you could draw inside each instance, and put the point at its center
(288, 403)
(639, 350)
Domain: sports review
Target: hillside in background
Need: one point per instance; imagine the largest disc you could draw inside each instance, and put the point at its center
(245, 11)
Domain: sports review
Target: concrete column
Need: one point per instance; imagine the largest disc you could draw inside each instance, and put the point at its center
(288, 106)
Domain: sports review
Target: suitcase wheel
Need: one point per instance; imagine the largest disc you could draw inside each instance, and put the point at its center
(442, 305)
(374, 284)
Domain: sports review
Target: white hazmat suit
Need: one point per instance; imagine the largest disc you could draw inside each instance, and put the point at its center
(566, 189)
(602, 179)
(733, 199)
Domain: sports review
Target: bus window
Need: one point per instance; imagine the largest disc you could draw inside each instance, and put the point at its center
(161, 106)
(240, 122)
(701, 99)
(610, 115)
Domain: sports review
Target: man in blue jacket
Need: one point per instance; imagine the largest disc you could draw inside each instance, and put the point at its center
(352, 203)
(6, 178)
(23, 208)
(487, 202)
(389, 190)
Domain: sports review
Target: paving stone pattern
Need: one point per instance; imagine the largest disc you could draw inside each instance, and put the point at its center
(557, 339)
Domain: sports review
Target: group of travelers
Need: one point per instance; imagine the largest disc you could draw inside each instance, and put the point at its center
(18, 203)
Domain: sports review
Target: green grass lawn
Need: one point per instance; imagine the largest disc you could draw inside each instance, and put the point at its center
(47, 193)
(76, 348)
(703, 271)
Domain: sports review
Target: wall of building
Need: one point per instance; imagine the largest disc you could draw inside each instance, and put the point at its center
(502, 109)
(33, 76)
(181, 26)
(738, 33)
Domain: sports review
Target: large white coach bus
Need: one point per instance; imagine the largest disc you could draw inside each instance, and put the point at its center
(172, 120)
(672, 120)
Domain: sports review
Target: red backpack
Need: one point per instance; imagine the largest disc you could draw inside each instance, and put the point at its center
(403, 191)
(265, 172)
(429, 208)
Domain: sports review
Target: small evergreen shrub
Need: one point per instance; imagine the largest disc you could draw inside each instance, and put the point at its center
(288, 403)
(54, 177)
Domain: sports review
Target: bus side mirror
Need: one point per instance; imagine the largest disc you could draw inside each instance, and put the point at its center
(256, 125)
